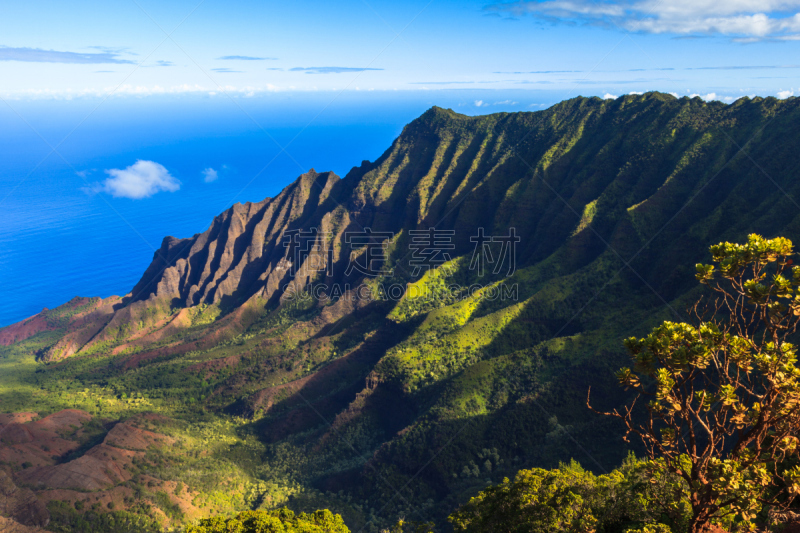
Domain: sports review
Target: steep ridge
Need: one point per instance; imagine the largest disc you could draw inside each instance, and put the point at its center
(241, 247)
(533, 171)
(432, 393)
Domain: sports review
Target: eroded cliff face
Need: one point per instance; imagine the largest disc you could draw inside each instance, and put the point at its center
(240, 254)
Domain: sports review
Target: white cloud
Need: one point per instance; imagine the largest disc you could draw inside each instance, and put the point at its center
(744, 20)
(481, 103)
(675, 95)
(785, 94)
(140, 180)
(707, 97)
(609, 96)
(37, 55)
(639, 93)
(140, 91)
(210, 175)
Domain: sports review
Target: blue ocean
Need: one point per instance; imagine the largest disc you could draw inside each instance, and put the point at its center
(60, 238)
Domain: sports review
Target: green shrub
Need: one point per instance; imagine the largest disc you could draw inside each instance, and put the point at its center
(570, 498)
(278, 521)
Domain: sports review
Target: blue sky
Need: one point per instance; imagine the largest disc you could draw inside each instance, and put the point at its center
(724, 50)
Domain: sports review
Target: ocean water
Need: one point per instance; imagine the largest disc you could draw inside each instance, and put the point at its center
(59, 239)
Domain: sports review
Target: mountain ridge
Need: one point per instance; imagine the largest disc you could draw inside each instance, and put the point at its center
(613, 201)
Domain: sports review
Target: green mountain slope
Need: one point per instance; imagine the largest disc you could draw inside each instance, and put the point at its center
(383, 407)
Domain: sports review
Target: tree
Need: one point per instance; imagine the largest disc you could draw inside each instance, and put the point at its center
(567, 498)
(724, 395)
(276, 521)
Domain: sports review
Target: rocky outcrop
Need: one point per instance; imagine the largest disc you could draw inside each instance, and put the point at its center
(240, 254)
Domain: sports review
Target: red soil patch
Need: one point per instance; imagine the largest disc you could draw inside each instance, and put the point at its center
(317, 384)
(94, 478)
(129, 437)
(64, 420)
(38, 323)
(25, 329)
(16, 418)
(41, 442)
(102, 467)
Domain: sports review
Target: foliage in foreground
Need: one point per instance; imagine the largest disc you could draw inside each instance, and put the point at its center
(724, 395)
(570, 498)
(277, 521)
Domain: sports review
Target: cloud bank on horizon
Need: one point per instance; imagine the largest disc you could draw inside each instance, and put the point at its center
(742, 20)
(140, 180)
